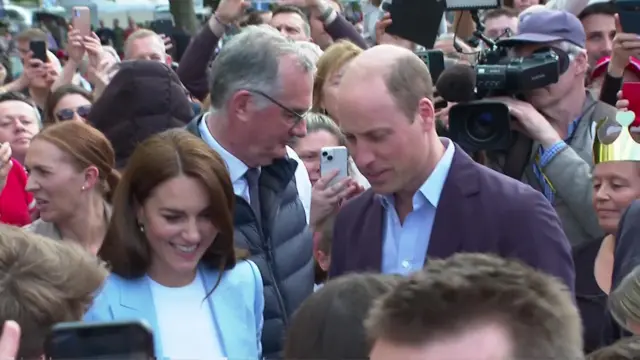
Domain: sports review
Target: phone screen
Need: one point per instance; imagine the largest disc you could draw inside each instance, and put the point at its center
(631, 92)
(100, 341)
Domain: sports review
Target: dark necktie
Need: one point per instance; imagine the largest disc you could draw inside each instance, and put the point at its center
(253, 176)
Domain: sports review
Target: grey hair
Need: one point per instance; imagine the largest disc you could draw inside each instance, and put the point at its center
(313, 51)
(320, 122)
(250, 61)
(571, 49)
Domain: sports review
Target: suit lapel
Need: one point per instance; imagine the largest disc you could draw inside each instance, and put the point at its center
(221, 310)
(447, 234)
(368, 252)
(136, 302)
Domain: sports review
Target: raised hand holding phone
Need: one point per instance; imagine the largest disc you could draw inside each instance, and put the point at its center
(625, 45)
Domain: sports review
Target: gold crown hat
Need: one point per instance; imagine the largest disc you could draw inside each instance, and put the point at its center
(617, 140)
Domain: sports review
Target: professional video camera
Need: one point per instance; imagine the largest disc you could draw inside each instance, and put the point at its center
(477, 124)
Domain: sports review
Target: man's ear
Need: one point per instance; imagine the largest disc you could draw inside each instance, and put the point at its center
(582, 64)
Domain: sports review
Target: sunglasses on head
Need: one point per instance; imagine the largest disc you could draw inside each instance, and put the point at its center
(67, 114)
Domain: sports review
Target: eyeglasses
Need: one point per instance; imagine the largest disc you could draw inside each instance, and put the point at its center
(299, 115)
(67, 114)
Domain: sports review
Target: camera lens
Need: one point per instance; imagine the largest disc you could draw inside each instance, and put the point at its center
(330, 158)
(324, 153)
(482, 128)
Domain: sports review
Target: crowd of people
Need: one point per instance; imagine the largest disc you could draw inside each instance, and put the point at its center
(192, 198)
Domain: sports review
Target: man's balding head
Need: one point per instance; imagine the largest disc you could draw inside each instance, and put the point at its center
(385, 110)
(406, 77)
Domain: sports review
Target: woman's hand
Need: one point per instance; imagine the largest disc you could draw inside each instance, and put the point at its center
(622, 104)
(94, 49)
(101, 75)
(326, 199)
(75, 46)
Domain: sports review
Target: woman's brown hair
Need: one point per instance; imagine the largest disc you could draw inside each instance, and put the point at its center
(330, 323)
(335, 57)
(85, 147)
(158, 159)
(54, 98)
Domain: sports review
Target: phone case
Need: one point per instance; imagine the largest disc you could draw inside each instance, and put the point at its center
(334, 158)
(82, 20)
(631, 92)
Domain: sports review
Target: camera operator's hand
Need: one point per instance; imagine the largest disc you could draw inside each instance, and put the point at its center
(624, 46)
(531, 122)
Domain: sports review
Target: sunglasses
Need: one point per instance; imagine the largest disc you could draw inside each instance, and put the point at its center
(67, 114)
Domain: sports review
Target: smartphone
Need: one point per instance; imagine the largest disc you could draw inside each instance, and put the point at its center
(629, 13)
(631, 92)
(415, 20)
(434, 59)
(39, 50)
(127, 340)
(334, 158)
(162, 26)
(81, 20)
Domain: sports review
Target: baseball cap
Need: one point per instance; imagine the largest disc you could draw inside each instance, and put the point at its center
(545, 26)
(601, 66)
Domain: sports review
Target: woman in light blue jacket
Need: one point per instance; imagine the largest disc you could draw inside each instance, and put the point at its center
(170, 248)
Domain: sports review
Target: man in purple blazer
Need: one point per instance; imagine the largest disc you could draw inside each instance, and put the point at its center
(428, 199)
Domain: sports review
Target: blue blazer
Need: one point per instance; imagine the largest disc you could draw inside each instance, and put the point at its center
(236, 305)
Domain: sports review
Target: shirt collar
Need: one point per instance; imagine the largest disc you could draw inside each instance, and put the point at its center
(237, 169)
(431, 189)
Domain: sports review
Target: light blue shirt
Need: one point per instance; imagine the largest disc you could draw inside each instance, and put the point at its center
(404, 247)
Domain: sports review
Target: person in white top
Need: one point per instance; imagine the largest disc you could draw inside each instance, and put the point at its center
(170, 248)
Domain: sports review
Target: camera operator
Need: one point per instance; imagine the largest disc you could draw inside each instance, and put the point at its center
(560, 118)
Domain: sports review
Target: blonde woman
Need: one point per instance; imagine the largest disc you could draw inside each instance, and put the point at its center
(330, 67)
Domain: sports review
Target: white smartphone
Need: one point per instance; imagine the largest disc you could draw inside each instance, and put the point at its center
(334, 158)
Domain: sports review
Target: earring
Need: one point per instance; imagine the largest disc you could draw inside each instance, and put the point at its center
(83, 188)
(141, 227)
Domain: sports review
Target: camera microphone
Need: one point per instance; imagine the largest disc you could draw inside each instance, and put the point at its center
(457, 84)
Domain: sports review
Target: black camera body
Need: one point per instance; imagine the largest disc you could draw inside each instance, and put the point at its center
(483, 124)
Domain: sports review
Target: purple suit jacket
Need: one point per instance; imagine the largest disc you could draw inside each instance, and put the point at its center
(479, 211)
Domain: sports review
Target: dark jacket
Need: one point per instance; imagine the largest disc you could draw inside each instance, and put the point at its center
(282, 247)
(479, 210)
(144, 98)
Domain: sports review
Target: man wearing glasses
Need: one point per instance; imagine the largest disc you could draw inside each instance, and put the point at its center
(260, 90)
